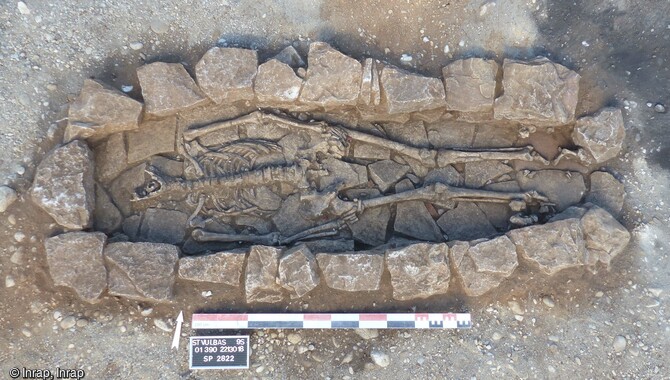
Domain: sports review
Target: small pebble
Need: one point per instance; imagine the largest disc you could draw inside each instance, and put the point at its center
(660, 108)
(207, 293)
(446, 49)
(496, 336)
(656, 292)
(302, 349)
(136, 45)
(619, 343)
(146, 312)
(26, 332)
(16, 258)
(260, 369)
(11, 219)
(367, 334)
(58, 315)
(420, 360)
(82, 322)
(515, 307)
(405, 58)
(23, 8)
(123, 329)
(548, 301)
(126, 88)
(348, 357)
(9, 282)
(294, 338)
(68, 322)
(7, 197)
(161, 324)
(380, 358)
(518, 317)
(19, 236)
(159, 26)
(599, 294)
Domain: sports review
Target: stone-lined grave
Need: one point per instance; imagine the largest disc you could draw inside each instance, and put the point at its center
(279, 178)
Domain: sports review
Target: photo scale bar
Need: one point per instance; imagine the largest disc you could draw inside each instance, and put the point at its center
(332, 321)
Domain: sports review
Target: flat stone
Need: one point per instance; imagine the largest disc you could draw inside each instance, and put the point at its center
(606, 192)
(604, 237)
(372, 224)
(290, 56)
(490, 136)
(219, 268)
(7, 197)
(538, 91)
(265, 199)
(153, 137)
(163, 226)
(261, 275)
(291, 218)
(572, 212)
(552, 246)
(227, 74)
(404, 92)
(75, 260)
(480, 173)
(167, 89)
(470, 85)
(413, 219)
(276, 84)
(99, 112)
(123, 187)
(110, 158)
(370, 94)
(412, 133)
(600, 137)
(64, 185)
(342, 175)
(418, 270)
(363, 151)
(483, 266)
(352, 271)
(447, 175)
(498, 214)
(141, 271)
(330, 246)
(107, 217)
(387, 173)
(332, 80)
(450, 135)
(561, 187)
(166, 166)
(466, 222)
(131, 226)
(298, 271)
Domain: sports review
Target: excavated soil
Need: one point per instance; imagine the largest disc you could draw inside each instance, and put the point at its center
(568, 325)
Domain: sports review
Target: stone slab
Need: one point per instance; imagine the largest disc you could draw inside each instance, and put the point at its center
(141, 271)
(75, 260)
(64, 187)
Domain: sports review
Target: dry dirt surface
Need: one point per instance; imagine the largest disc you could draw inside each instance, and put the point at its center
(614, 324)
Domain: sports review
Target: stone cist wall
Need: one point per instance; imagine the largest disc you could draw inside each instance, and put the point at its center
(147, 271)
(384, 131)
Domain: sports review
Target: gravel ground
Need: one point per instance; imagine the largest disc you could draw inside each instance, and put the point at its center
(614, 324)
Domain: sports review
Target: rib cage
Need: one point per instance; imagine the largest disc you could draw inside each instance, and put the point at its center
(236, 157)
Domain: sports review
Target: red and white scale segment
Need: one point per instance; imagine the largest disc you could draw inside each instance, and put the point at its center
(332, 321)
